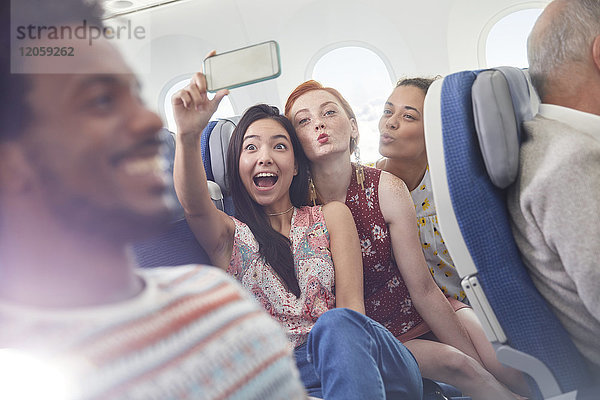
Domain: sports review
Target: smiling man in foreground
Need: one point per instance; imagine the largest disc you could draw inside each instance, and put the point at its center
(80, 177)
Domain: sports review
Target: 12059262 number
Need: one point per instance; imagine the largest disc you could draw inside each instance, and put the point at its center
(47, 51)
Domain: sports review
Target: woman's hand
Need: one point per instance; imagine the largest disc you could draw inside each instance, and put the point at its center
(346, 256)
(191, 106)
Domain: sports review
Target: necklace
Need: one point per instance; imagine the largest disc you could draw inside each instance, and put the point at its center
(280, 213)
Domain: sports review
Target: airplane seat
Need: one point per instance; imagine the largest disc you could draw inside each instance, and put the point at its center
(472, 132)
(177, 245)
(205, 149)
(218, 143)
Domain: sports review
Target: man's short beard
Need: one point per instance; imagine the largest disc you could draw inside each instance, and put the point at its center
(118, 225)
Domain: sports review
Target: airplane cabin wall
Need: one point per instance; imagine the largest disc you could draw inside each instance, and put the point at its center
(413, 38)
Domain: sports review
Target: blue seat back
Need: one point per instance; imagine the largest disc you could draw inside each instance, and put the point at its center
(205, 149)
(177, 245)
(217, 146)
(481, 213)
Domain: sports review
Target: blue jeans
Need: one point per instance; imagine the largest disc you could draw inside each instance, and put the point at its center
(350, 356)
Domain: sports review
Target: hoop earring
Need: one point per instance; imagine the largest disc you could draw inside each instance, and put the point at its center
(360, 171)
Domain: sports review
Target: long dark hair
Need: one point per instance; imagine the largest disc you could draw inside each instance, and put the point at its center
(273, 246)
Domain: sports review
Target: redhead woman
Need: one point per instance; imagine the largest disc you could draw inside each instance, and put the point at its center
(299, 262)
(399, 291)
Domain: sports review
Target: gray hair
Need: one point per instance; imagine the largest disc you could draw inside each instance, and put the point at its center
(564, 39)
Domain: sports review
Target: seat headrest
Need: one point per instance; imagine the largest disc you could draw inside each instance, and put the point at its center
(218, 143)
(502, 101)
(168, 139)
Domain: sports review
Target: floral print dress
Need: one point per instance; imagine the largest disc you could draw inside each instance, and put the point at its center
(387, 299)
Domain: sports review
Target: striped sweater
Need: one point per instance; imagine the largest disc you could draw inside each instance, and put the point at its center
(193, 333)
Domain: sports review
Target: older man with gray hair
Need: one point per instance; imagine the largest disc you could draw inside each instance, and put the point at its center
(555, 203)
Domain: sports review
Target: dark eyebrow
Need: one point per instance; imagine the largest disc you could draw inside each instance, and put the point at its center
(405, 107)
(412, 108)
(249, 137)
(274, 137)
(280, 136)
(110, 79)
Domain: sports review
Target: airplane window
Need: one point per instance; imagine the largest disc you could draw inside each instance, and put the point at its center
(362, 78)
(506, 42)
(225, 108)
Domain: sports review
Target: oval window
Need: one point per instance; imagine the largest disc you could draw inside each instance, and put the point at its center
(506, 42)
(361, 76)
(225, 108)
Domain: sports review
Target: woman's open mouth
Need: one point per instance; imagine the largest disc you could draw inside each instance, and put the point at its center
(265, 179)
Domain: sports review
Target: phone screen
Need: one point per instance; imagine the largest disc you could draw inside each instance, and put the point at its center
(243, 66)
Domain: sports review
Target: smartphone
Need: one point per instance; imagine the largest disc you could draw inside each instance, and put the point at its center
(244, 66)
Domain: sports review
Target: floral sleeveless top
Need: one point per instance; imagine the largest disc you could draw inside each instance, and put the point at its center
(436, 254)
(314, 269)
(387, 300)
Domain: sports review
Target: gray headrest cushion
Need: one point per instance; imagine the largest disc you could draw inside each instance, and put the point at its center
(168, 139)
(501, 103)
(218, 143)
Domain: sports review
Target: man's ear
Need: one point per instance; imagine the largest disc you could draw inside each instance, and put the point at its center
(15, 171)
(596, 52)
